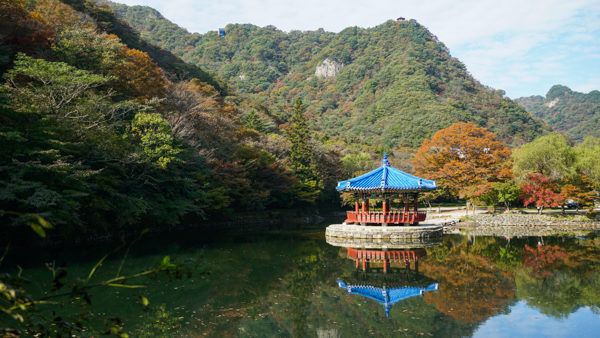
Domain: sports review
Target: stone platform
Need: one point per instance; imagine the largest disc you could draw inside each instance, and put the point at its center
(363, 236)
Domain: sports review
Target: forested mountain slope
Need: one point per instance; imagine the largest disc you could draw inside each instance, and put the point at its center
(102, 132)
(388, 86)
(576, 114)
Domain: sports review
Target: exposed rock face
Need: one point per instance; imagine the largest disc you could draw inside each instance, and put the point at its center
(552, 103)
(328, 69)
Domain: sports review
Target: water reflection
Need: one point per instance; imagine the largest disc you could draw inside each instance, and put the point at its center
(387, 272)
(288, 285)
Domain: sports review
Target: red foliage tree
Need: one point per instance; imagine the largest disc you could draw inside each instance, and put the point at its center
(540, 190)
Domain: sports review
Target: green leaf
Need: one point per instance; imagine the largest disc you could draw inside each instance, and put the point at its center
(166, 263)
(38, 229)
(43, 222)
(127, 286)
(144, 300)
(96, 267)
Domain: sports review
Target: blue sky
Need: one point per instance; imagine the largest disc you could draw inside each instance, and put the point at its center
(521, 46)
(525, 321)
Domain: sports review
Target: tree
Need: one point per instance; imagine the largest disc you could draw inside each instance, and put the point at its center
(464, 159)
(154, 135)
(580, 193)
(502, 192)
(542, 191)
(354, 164)
(302, 154)
(550, 155)
(588, 160)
(20, 31)
(254, 121)
(59, 90)
(507, 193)
(139, 75)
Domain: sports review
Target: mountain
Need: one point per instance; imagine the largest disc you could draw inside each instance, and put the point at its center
(576, 114)
(390, 86)
(102, 132)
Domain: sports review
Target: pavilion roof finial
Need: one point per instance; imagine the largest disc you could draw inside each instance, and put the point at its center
(385, 162)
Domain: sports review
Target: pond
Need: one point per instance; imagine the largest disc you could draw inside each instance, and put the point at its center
(296, 284)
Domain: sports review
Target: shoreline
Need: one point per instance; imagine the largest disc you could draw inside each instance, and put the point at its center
(524, 225)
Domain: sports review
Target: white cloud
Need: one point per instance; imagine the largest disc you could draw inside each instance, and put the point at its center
(499, 41)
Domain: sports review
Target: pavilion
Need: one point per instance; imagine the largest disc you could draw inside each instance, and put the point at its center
(387, 184)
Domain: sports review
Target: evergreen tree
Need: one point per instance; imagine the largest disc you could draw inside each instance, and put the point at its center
(301, 158)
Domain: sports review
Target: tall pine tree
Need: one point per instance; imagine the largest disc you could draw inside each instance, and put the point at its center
(302, 158)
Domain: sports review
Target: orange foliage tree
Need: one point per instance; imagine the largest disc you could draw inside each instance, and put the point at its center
(21, 30)
(464, 159)
(139, 75)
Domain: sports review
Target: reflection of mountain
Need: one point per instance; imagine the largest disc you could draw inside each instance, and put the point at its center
(386, 296)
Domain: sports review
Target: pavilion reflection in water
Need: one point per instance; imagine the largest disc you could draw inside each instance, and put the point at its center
(387, 276)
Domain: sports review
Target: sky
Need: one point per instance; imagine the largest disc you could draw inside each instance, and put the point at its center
(521, 46)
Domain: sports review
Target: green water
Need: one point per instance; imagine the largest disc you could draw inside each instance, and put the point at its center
(284, 284)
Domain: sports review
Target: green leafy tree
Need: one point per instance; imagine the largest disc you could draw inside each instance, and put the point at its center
(60, 91)
(588, 159)
(154, 135)
(508, 192)
(550, 155)
(355, 164)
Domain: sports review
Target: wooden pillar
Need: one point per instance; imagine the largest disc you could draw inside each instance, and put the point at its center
(385, 264)
(356, 206)
(364, 264)
(406, 209)
(385, 209)
(407, 263)
(416, 207)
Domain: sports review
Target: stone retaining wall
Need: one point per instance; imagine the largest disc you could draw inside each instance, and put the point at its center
(532, 220)
(388, 234)
(519, 225)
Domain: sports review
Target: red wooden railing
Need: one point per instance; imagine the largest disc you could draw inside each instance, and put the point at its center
(390, 217)
(392, 255)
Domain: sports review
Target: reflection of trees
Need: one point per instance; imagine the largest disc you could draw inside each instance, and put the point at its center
(542, 260)
(560, 279)
(472, 287)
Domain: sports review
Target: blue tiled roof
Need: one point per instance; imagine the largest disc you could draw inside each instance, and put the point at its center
(384, 296)
(386, 178)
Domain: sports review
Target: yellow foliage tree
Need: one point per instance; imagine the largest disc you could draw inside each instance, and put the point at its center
(139, 75)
